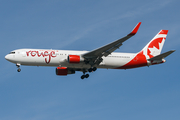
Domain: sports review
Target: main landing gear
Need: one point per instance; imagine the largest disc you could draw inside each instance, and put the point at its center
(92, 69)
(84, 76)
(89, 70)
(18, 66)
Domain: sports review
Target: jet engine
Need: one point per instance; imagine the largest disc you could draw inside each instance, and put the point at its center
(75, 59)
(63, 71)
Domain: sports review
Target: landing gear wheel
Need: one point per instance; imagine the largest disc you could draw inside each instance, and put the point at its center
(82, 77)
(19, 70)
(94, 68)
(90, 69)
(87, 75)
(18, 66)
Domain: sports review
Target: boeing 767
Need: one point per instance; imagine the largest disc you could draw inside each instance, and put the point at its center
(68, 61)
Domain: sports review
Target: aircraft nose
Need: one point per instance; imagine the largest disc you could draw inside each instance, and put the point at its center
(7, 57)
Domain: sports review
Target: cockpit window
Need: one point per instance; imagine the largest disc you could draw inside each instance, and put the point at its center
(12, 53)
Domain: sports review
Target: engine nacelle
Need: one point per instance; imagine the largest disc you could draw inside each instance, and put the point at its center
(63, 71)
(75, 59)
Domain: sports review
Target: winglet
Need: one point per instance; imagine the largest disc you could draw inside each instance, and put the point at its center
(134, 31)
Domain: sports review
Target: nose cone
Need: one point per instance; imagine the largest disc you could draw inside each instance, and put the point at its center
(8, 57)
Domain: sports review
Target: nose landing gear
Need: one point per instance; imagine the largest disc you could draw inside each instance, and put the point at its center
(18, 66)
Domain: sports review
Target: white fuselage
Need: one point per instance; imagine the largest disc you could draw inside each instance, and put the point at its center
(43, 57)
(68, 61)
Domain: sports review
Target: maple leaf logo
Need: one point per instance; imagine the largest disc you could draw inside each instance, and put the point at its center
(155, 47)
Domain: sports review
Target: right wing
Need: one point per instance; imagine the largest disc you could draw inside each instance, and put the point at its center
(95, 56)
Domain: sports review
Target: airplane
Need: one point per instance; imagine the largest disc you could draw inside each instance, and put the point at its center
(68, 61)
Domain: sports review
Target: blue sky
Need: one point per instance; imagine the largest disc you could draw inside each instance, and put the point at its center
(36, 93)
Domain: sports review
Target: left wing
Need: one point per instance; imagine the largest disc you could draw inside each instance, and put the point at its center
(95, 56)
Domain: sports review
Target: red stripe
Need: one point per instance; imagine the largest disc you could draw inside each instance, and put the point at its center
(138, 61)
(164, 32)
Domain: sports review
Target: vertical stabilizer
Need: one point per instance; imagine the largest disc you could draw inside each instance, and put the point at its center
(154, 47)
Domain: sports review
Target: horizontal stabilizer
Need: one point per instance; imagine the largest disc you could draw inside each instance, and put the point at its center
(161, 56)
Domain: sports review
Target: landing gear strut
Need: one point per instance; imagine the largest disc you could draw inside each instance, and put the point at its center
(18, 66)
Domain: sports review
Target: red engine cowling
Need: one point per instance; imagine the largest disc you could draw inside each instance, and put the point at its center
(63, 71)
(75, 59)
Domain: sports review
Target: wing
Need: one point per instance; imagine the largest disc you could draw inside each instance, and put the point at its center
(95, 56)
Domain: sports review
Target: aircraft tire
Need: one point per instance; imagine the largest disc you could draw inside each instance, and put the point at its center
(19, 70)
(82, 77)
(94, 68)
(90, 69)
(87, 75)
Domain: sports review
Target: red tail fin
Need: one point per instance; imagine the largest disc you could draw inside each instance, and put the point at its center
(154, 47)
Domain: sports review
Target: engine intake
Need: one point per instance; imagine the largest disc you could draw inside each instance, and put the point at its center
(63, 71)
